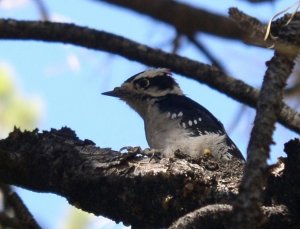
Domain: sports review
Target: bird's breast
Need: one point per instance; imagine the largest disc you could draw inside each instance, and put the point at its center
(160, 129)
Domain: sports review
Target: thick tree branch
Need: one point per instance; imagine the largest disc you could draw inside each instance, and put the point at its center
(247, 210)
(89, 38)
(128, 187)
(122, 187)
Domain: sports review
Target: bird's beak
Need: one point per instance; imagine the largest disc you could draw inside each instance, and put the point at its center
(117, 92)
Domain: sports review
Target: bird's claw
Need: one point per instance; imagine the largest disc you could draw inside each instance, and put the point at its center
(152, 153)
(131, 150)
(146, 152)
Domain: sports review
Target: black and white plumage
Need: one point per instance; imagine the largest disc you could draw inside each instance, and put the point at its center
(172, 120)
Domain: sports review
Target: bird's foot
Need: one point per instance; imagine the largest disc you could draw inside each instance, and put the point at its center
(130, 150)
(133, 151)
(152, 153)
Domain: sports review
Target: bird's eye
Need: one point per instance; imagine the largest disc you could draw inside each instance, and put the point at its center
(143, 83)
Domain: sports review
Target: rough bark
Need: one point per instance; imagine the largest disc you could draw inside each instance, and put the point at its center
(124, 187)
(99, 40)
(247, 209)
(284, 185)
(283, 35)
(217, 216)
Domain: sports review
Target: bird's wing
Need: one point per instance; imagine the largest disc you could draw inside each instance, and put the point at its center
(193, 117)
(196, 119)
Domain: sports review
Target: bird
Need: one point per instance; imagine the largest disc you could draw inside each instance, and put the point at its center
(173, 121)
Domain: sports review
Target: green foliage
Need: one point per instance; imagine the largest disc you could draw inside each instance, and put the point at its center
(15, 109)
(77, 219)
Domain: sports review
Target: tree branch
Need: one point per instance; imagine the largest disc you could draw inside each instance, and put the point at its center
(42, 9)
(253, 29)
(207, 53)
(128, 187)
(184, 18)
(9, 222)
(283, 36)
(281, 197)
(247, 211)
(217, 216)
(89, 38)
(284, 185)
(122, 187)
(22, 213)
(13, 204)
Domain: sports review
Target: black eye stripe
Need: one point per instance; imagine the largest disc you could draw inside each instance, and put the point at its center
(160, 82)
(163, 82)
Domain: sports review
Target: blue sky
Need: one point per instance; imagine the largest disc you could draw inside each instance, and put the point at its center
(68, 80)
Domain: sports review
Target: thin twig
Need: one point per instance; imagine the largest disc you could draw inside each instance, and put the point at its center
(177, 42)
(42, 9)
(207, 53)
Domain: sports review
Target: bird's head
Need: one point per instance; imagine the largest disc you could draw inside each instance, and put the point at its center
(145, 86)
(150, 83)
